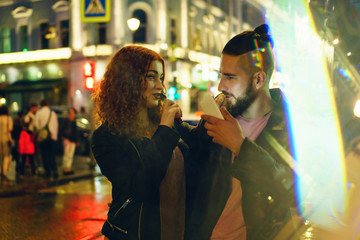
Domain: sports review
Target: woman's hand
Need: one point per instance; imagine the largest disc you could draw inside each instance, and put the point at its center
(171, 111)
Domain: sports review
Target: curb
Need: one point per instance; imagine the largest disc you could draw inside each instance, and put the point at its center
(30, 188)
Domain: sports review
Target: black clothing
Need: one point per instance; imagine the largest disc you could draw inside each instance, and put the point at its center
(135, 167)
(48, 157)
(68, 130)
(261, 169)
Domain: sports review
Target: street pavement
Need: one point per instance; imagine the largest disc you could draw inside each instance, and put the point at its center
(83, 168)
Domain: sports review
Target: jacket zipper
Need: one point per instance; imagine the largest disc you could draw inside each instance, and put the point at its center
(140, 219)
(141, 208)
(123, 206)
(113, 226)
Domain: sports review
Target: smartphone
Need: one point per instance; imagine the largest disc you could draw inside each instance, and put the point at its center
(209, 106)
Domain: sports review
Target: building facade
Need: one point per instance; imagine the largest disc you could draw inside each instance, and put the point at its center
(45, 45)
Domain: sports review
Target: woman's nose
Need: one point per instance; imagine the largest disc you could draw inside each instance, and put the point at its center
(158, 83)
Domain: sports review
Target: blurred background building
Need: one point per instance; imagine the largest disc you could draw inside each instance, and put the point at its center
(58, 49)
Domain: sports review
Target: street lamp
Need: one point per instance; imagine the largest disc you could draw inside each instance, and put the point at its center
(133, 24)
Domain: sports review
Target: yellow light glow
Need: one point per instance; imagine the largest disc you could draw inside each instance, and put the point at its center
(163, 46)
(3, 101)
(89, 83)
(349, 54)
(133, 24)
(38, 55)
(357, 109)
(213, 61)
(84, 121)
(14, 107)
(76, 30)
(336, 41)
(97, 50)
(88, 69)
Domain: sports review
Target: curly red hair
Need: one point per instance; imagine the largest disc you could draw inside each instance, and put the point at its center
(119, 96)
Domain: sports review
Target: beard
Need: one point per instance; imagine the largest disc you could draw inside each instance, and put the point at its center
(241, 103)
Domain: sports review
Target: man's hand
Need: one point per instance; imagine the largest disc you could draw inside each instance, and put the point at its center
(225, 132)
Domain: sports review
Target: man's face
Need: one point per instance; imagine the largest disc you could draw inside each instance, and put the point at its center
(34, 109)
(236, 83)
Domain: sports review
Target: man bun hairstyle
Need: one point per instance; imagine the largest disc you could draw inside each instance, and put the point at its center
(258, 44)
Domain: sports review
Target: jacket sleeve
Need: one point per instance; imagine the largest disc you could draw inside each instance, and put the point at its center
(255, 165)
(193, 136)
(267, 185)
(135, 169)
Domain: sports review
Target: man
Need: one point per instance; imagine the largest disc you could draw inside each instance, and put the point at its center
(45, 116)
(29, 117)
(239, 186)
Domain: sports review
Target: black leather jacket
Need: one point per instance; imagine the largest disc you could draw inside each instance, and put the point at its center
(135, 168)
(266, 179)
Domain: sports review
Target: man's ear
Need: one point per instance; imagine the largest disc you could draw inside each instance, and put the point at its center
(259, 79)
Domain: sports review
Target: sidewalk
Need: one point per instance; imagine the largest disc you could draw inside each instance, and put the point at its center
(31, 184)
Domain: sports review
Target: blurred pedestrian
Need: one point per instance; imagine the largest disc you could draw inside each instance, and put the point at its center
(136, 147)
(17, 128)
(30, 116)
(69, 135)
(27, 149)
(45, 117)
(6, 141)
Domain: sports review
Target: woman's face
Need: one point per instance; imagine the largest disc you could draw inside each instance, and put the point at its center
(72, 114)
(155, 79)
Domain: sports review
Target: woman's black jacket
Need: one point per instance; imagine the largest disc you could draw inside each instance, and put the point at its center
(135, 168)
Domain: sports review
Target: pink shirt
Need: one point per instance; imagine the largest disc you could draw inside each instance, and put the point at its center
(231, 224)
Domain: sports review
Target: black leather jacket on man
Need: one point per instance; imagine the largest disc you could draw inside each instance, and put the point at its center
(135, 168)
(266, 179)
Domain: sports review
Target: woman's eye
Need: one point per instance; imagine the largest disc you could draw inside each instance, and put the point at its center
(150, 76)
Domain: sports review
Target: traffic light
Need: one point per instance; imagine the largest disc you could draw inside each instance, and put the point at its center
(89, 75)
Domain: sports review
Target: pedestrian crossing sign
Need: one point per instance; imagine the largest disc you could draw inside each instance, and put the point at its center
(95, 10)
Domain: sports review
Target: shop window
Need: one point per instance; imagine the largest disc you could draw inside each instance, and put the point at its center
(5, 40)
(44, 35)
(101, 33)
(23, 38)
(197, 40)
(64, 33)
(173, 31)
(139, 36)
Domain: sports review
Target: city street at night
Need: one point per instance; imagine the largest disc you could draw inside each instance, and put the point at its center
(195, 119)
(75, 210)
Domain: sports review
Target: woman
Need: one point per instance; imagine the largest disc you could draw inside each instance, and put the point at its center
(6, 126)
(135, 145)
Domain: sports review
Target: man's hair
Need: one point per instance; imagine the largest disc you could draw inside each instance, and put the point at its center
(119, 96)
(4, 110)
(258, 45)
(44, 102)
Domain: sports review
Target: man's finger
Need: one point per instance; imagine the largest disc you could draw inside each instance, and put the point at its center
(226, 114)
(209, 126)
(210, 119)
(210, 133)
